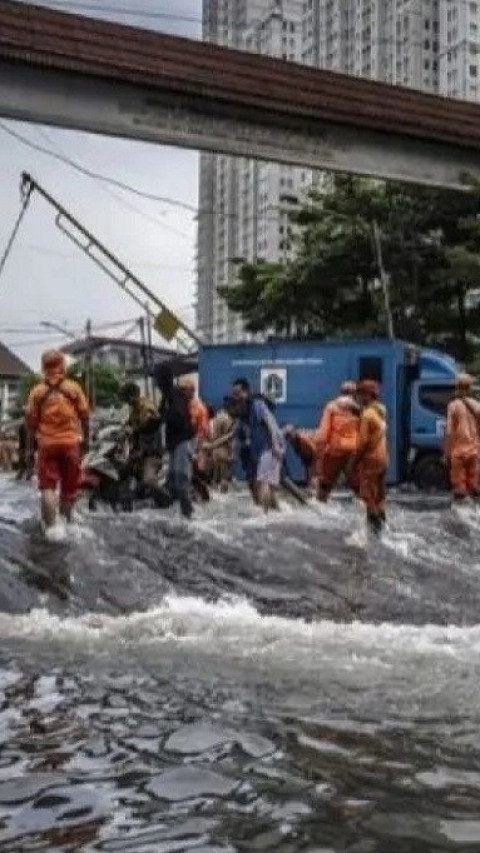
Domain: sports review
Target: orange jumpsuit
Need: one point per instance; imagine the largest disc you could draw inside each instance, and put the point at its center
(337, 441)
(201, 426)
(372, 458)
(55, 410)
(462, 446)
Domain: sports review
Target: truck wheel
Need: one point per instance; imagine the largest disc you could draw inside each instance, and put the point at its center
(429, 473)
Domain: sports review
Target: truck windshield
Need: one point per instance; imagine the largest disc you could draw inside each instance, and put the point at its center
(436, 397)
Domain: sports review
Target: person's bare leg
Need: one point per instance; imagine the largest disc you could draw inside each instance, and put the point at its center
(66, 511)
(274, 499)
(48, 507)
(264, 496)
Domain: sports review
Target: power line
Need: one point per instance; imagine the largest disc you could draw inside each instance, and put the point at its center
(95, 175)
(103, 178)
(44, 250)
(119, 198)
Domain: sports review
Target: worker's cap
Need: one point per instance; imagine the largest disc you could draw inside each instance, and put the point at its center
(53, 359)
(464, 380)
(348, 387)
(186, 383)
(369, 388)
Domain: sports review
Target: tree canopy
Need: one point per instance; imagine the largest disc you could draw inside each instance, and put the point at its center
(330, 286)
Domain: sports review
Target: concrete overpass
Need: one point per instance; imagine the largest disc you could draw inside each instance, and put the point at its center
(76, 72)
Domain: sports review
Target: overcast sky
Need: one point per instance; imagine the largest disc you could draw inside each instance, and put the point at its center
(46, 278)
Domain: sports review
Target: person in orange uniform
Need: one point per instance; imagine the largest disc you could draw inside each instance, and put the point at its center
(201, 426)
(57, 413)
(371, 458)
(337, 440)
(462, 440)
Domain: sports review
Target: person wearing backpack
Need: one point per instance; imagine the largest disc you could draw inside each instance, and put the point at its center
(260, 441)
(462, 440)
(57, 414)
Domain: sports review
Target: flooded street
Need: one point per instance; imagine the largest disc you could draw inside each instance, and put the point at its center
(240, 684)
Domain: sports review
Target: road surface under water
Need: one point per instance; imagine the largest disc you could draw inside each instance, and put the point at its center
(240, 683)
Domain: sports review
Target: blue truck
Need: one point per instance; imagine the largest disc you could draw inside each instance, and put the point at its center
(302, 376)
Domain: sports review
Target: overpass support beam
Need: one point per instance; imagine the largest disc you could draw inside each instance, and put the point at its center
(136, 111)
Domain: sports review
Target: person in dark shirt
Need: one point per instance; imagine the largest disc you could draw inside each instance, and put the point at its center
(174, 413)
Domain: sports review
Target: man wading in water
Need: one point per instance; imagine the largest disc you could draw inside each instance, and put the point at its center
(57, 414)
(262, 444)
(462, 440)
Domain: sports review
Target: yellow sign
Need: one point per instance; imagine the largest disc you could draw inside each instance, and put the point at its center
(167, 324)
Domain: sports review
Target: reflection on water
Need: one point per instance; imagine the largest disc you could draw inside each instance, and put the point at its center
(240, 685)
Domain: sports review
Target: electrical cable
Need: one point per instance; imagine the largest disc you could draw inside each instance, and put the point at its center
(126, 204)
(96, 175)
(11, 239)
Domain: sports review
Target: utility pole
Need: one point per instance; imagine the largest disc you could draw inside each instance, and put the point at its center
(141, 323)
(89, 384)
(148, 320)
(384, 280)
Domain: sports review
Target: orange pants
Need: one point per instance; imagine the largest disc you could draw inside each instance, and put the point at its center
(464, 474)
(330, 467)
(371, 483)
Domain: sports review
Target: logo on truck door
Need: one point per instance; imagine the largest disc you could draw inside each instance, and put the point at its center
(273, 383)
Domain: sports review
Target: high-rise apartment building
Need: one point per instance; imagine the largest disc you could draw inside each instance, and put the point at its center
(460, 49)
(431, 45)
(242, 207)
(395, 41)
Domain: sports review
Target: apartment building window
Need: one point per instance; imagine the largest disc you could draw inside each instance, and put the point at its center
(426, 44)
(473, 71)
(427, 23)
(426, 64)
(473, 8)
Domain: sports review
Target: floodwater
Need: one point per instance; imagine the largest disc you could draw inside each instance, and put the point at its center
(240, 683)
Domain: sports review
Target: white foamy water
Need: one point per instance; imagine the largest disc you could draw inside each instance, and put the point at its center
(234, 629)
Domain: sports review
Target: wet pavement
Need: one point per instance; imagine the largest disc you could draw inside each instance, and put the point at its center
(240, 684)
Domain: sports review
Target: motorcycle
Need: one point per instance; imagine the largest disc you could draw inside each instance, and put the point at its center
(111, 474)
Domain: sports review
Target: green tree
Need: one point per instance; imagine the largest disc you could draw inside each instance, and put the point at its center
(104, 385)
(430, 241)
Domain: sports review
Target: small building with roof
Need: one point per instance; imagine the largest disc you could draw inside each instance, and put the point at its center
(12, 371)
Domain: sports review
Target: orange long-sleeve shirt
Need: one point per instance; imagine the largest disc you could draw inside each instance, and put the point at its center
(372, 437)
(55, 411)
(338, 428)
(200, 419)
